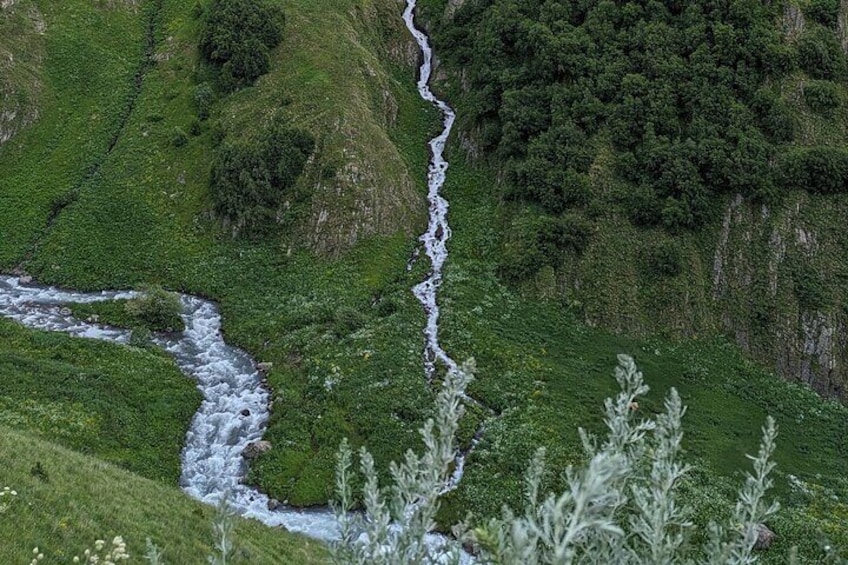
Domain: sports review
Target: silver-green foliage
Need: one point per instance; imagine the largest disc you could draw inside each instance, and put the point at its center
(397, 521)
(622, 507)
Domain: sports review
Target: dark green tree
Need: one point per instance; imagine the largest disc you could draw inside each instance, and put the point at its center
(252, 178)
(238, 36)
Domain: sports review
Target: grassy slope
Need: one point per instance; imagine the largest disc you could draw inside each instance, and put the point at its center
(90, 54)
(141, 218)
(64, 390)
(84, 499)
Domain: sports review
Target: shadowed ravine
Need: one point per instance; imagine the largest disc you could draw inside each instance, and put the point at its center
(212, 462)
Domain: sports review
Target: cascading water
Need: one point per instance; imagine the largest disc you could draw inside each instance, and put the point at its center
(234, 411)
(438, 231)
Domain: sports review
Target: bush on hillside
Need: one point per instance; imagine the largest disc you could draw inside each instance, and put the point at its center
(663, 259)
(179, 138)
(773, 115)
(204, 97)
(238, 36)
(668, 89)
(822, 96)
(679, 97)
(157, 309)
(254, 177)
(822, 169)
(821, 55)
(824, 12)
(544, 240)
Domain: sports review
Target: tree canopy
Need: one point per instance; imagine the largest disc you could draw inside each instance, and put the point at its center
(238, 36)
(683, 93)
(252, 178)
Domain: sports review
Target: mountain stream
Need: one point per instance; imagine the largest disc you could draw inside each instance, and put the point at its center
(234, 410)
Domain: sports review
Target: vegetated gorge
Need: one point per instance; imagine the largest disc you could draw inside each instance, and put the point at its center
(657, 178)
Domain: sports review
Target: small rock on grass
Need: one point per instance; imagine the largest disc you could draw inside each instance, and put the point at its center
(256, 448)
(765, 537)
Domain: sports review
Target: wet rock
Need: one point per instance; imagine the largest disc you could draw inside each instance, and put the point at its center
(470, 548)
(65, 311)
(273, 504)
(765, 537)
(264, 367)
(245, 412)
(26, 279)
(256, 448)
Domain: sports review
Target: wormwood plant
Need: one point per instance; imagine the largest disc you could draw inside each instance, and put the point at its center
(622, 507)
(396, 524)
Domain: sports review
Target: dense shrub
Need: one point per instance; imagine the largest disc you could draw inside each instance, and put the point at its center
(674, 89)
(204, 97)
(238, 36)
(542, 240)
(663, 259)
(565, 234)
(179, 138)
(822, 96)
(253, 177)
(678, 98)
(821, 169)
(773, 115)
(821, 55)
(811, 290)
(824, 12)
(520, 260)
(157, 309)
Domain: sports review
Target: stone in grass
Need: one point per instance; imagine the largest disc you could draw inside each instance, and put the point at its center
(765, 537)
(264, 367)
(256, 448)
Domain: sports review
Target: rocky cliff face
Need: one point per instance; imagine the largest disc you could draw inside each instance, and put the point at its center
(779, 285)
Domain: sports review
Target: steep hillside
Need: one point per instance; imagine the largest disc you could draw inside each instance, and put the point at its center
(65, 501)
(21, 50)
(123, 205)
(674, 226)
(119, 125)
